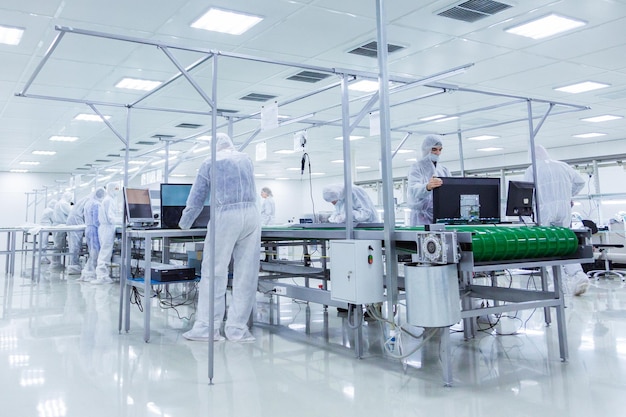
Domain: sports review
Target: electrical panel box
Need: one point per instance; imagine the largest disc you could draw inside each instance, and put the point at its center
(356, 271)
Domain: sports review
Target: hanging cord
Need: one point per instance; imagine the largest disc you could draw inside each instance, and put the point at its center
(303, 161)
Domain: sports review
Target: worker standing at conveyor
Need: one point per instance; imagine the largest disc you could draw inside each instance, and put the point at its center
(237, 234)
(424, 176)
(557, 183)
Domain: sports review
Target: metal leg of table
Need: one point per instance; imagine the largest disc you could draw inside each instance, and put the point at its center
(560, 314)
(147, 289)
(446, 357)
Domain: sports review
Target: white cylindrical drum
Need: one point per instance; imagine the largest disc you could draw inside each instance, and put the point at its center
(432, 295)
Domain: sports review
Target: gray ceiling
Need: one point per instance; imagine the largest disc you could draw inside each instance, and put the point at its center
(312, 33)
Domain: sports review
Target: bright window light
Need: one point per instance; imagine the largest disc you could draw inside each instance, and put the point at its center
(589, 135)
(64, 138)
(352, 137)
(19, 171)
(285, 151)
(90, 117)
(10, 35)
(545, 26)
(223, 21)
(433, 117)
(582, 87)
(603, 118)
(48, 153)
(29, 163)
(483, 137)
(491, 149)
(365, 86)
(138, 84)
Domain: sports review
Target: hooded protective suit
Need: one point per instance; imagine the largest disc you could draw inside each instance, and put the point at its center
(420, 199)
(108, 218)
(556, 184)
(267, 207)
(363, 209)
(46, 220)
(91, 210)
(75, 239)
(59, 216)
(237, 234)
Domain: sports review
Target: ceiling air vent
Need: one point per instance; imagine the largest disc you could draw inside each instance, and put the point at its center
(102, 160)
(308, 76)
(371, 49)
(473, 10)
(82, 169)
(162, 136)
(227, 111)
(114, 155)
(130, 149)
(145, 142)
(188, 125)
(257, 97)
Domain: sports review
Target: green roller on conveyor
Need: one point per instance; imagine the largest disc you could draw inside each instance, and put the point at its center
(498, 243)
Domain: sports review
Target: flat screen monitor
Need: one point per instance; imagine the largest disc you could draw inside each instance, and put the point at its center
(467, 200)
(137, 205)
(519, 199)
(173, 201)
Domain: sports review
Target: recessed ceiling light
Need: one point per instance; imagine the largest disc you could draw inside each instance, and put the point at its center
(365, 86)
(49, 153)
(18, 170)
(204, 138)
(90, 117)
(178, 175)
(282, 178)
(352, 137)
(362, 167)
(589, 135)
(137, 162)
(545, 26)
(318, 173)
(582, 87)
(29, 163)
(64, 138)
(112, 170)
(10, 35)
(483, 137)
(337, 161)
(446, 119)
(491, 149)
(138, 84)
(411, 160)
(405, 151)
(433, 117)
(224, 21)
(259, 175)
(603, 118)
(285, 151)
(293, 169)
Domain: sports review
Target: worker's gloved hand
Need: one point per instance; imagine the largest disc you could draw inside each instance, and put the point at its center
(337, 218)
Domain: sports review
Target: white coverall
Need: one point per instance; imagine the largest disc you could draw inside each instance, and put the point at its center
(363, 208)
(107, 216)
(237, 234)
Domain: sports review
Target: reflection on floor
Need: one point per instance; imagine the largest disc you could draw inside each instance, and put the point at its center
(61, 354)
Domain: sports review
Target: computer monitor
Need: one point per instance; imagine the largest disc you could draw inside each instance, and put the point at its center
(173, 201)
(137, 206)
(519, 199)
(462, 200)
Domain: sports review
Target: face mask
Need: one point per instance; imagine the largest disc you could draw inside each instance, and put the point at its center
(433, 157)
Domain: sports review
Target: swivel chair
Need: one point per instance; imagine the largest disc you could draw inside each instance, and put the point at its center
(603, 248)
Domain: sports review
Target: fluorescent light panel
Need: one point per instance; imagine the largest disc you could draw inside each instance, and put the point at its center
(446, 119)
(433, 117)
(582, 87)
(49, 153)
(545, 26)
(365, 86)
(19, 171)
(29, 163)
(285, 151)
(603, 118)
(84, 117)
(11, 35)
(352, 137)
(483, 137)
(138, 84)
(63, 138)
(490, 149)
(589, 135)
(224, 21)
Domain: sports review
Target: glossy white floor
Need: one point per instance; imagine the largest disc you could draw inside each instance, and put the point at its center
(61, 355)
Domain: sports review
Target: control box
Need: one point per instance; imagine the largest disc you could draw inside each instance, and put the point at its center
(356, 271)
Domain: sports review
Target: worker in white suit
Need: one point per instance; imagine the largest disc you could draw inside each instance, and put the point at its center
(108, 218)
